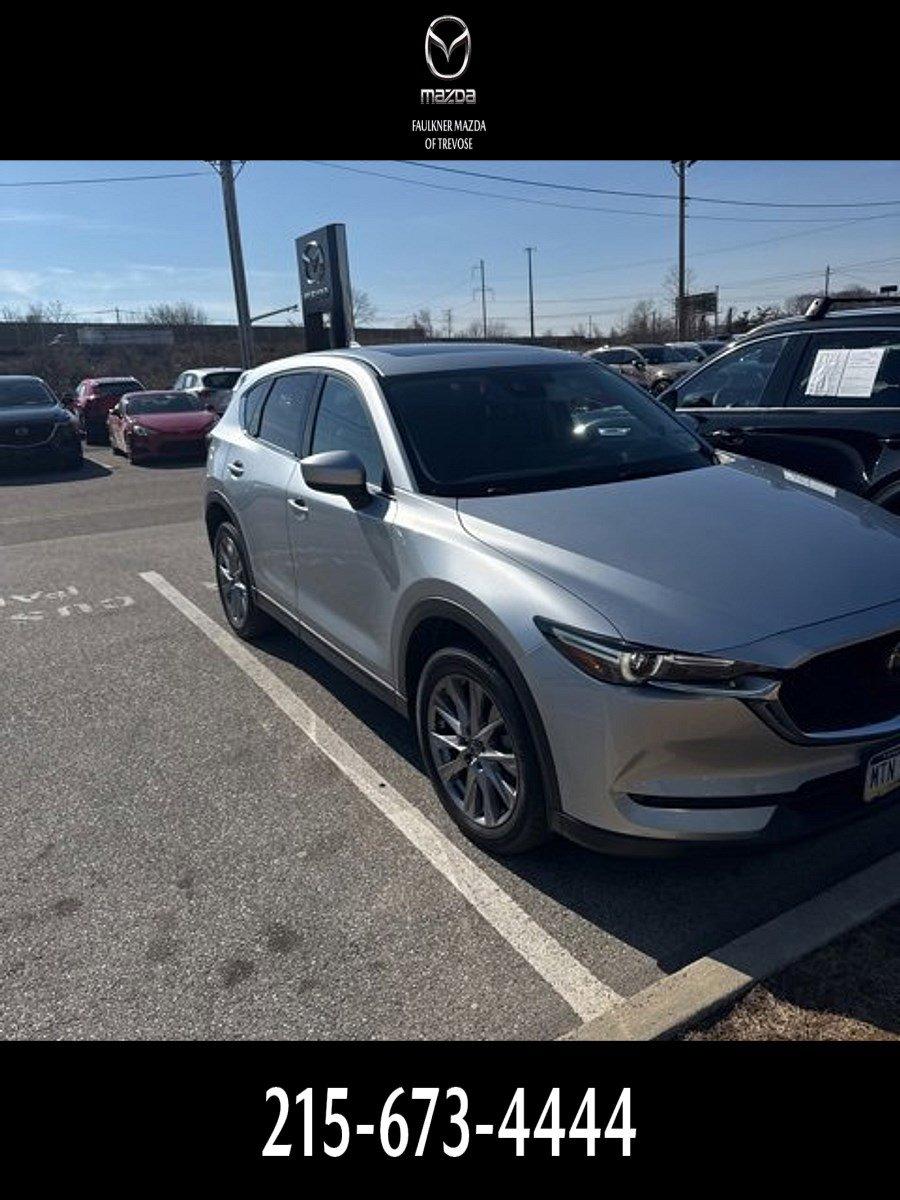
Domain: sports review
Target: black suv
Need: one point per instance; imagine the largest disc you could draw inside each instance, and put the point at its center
(818, 394)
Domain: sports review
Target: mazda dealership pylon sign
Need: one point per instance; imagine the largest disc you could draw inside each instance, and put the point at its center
(325, 288)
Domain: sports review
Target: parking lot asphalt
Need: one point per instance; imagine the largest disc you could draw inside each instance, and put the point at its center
(178, 860)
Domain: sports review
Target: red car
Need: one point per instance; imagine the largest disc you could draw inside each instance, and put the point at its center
(159, 425)
(95, 397)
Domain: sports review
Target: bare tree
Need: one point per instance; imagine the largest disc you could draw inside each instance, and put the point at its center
(421, 320)
(54, 312)
(495, 329)
(180, 313)
(363, 308)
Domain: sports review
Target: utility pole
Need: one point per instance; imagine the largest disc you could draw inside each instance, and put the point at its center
(716, 326)
(827, 278)
(225, 169)
(529, 250)
(680, 167)
(483, 301)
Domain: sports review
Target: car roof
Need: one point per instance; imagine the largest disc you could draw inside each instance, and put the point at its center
(856, 318)
(23, 378)
(200, 370)
(111, 379)
(414, 358)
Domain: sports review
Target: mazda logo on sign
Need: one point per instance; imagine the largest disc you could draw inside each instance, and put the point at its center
(313, 262)
(447, 41)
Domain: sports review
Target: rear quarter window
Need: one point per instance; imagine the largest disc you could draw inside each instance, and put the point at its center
(252, 405)
(852, 368)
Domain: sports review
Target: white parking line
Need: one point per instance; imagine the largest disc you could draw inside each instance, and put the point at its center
(569, 978)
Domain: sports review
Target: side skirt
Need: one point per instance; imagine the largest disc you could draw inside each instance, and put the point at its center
(338, 660)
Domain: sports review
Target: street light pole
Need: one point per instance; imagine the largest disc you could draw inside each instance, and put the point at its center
(225, 168)
(483, 301)
(680, 167)
(529, 251)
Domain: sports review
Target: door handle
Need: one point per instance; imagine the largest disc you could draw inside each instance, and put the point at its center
(236, 469)
(299, 506)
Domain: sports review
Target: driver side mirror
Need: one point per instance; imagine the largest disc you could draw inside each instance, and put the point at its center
(337, 472)
(669, 398)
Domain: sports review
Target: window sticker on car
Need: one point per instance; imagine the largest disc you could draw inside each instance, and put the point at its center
(849, 373)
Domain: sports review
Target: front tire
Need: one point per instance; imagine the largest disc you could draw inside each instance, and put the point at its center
(233, 580)
(479, 752)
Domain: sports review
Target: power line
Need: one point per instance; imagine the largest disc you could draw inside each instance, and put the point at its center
(572, 187)
(101, 179)
(587, 208)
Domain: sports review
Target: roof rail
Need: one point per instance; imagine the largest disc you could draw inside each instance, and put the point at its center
(819, 307)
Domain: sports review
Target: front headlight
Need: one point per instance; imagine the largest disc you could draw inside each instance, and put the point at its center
(140, 431)
(623, 663)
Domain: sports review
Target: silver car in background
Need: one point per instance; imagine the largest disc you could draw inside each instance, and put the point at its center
(624, 360)
(211, 386)
(597, 624)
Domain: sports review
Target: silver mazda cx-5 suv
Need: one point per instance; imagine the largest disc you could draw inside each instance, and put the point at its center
(598, 624)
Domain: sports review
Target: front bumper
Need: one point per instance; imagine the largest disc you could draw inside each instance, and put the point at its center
(664, 767)
(168, 445)
(47, 452)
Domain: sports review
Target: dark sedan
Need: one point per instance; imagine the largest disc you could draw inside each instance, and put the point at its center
(35, 428)
(146, 425)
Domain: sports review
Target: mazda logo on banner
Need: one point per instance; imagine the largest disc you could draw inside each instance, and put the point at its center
(313, 262)
(325, 288)
(447, 42)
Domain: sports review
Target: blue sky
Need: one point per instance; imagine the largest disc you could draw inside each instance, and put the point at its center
(413, 246)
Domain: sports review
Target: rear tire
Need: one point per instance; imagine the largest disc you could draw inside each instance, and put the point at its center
(479, 752)
(234, 584)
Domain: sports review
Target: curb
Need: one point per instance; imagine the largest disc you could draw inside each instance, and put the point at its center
(682, 999)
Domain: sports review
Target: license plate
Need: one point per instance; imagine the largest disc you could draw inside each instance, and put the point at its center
(882, 774)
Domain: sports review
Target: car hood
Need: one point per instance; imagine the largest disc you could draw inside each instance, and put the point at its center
(702, 560)
(185, 422)
(25, 414)
(673, 370)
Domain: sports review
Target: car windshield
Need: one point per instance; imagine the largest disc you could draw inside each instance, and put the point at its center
(223, 380)
(662, 354)
(690, 353)
(170, 402)
(18, 392)
(529, 428)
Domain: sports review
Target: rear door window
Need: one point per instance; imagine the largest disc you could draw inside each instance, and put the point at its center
(851, 368)
(252, 406)
(736, 380)
(286, 408)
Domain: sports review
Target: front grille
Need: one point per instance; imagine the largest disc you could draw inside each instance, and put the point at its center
(29, 433)
(846, 689)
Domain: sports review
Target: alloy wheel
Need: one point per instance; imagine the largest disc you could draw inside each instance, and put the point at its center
(232, 580)
(473, 750)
